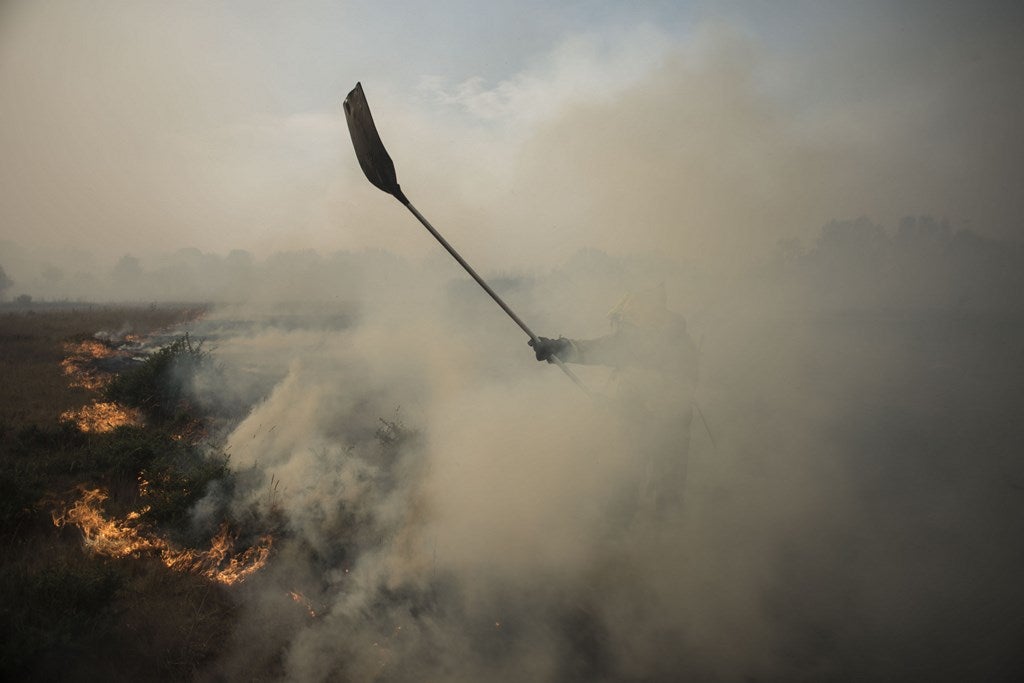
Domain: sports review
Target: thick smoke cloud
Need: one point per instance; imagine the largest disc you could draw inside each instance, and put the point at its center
(449, 505)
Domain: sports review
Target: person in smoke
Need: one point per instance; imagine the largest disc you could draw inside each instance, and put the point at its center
(655, 367)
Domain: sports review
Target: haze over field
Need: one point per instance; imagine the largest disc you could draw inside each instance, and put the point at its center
(855, 514)
(828, 191)
(704, 131)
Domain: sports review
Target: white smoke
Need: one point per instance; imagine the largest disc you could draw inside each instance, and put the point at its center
(451, 508)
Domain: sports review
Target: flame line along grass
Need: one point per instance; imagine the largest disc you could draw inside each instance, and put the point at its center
(76, 364)
(101, 417)
(124, 538)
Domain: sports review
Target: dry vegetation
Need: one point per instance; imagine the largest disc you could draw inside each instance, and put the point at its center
(32, 342)
(68, 614)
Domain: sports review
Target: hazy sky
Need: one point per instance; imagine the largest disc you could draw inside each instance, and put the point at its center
(524, 130)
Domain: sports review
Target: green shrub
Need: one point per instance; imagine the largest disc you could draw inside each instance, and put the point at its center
(123, 452)
(175, 482)
(159, 385)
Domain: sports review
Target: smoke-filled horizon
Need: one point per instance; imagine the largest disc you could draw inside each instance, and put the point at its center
(920, 263)
(699, 132)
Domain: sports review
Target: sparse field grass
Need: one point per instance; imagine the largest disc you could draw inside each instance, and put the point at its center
(66, 614)
(34, 388)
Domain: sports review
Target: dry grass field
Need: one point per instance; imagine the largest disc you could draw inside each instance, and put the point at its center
(35, 389)
(67, 613)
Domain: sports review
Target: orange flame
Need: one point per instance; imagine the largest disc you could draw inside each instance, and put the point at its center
(76, 364)
(304, 601)
(98, 416)
(124, 537)
(101, 417)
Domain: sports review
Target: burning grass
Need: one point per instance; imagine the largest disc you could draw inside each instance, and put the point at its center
(102, 416)
(174, 474)
(32, 349)
(129, 537)
(81, 367)
(73, 615)
(79, 363)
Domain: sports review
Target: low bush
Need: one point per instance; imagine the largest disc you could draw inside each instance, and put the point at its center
(158, 387)
(176, 481)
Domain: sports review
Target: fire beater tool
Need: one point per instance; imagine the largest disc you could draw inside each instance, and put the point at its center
(380, 171)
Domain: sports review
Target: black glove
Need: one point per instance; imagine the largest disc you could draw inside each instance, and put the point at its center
(545, 348)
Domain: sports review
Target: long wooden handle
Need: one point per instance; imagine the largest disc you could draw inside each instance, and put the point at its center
(487, 288)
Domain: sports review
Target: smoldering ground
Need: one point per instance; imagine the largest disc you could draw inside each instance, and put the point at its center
(450, 505)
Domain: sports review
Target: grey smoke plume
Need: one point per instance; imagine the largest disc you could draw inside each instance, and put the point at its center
(450, 505)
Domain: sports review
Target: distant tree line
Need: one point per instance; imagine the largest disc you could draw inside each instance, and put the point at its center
(922, 263)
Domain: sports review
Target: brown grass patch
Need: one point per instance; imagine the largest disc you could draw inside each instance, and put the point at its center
(32, 348)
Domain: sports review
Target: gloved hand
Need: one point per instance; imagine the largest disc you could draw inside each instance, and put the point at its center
(545, 348)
